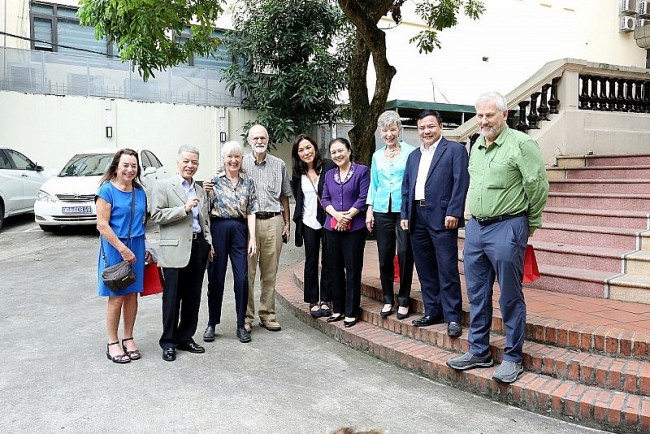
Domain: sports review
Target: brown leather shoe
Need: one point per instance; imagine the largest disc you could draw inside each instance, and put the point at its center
(271, 325)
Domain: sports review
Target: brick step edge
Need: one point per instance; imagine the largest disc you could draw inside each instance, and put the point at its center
(607, 372)
(563, 399)
(605, 340)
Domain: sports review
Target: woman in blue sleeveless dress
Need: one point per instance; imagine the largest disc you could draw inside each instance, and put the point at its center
(119, 188)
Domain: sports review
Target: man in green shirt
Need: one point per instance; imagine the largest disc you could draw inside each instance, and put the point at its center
(507, 193)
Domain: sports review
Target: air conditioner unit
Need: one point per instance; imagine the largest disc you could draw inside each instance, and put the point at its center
(643, 9)
(627, 6)
(627, 24)
(642, 22)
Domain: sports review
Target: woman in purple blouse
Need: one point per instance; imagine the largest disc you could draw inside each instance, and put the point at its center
(344, 198)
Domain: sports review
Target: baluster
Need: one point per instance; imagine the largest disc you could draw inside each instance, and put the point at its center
(532, 113)
(638, 102)
(611, 93)
(593, 101)
(543, 105)
(646, 96)
(472, 139)
(584, 93)
(522, 125)
(620, 95)
(629, 101)
(511, 118)
(602, 96)
(554, 102)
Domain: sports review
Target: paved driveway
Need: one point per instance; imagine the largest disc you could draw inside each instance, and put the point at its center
(55, 376)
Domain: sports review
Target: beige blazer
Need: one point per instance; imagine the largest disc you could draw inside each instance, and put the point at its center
(167, 208)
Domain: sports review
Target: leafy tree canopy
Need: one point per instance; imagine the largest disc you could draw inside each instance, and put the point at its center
(292, 61)
(143, 29)
(274, 35)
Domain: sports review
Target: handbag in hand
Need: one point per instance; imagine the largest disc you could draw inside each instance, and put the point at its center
(119, 276)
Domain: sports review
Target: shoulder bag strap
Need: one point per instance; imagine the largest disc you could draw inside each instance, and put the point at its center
(128, 238)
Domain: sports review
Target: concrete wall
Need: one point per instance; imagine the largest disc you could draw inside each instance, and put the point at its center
(516, 36)
(50, 129)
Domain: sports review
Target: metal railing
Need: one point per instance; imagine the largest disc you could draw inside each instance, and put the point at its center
(48, 73)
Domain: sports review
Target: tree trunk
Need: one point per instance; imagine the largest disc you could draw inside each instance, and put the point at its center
(370, 41)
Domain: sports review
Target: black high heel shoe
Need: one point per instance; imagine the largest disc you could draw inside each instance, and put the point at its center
(336, 317)
(401, 316)
(120, 358)
(349, 324)
(386, 313)
(133, 355)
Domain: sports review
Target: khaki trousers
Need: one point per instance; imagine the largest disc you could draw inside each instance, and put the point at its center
(268, 234)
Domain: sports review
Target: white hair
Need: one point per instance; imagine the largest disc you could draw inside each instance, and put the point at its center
(495, 97)
(188, 148)
(229, 147)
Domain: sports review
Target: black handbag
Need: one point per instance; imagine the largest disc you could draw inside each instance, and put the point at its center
(119, 276)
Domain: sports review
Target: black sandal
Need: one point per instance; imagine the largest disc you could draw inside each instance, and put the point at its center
(315, 313)
(133, 355)
(120, 358)
(325, 309)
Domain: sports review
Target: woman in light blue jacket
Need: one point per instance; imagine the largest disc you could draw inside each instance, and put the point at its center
(383, 214)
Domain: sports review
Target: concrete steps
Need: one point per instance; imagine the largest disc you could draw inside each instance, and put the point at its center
(595, 376)
(597, 217)
(595, 239)
(594, 236)
(599, 172)
(638, 186)
(611, 201)
(603, 160)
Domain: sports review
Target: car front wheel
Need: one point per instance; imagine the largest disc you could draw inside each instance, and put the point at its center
(2, 214)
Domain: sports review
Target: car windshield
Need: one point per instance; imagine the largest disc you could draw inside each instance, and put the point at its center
(87, 165)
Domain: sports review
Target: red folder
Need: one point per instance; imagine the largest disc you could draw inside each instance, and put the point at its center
(153, 280)
(531, 271)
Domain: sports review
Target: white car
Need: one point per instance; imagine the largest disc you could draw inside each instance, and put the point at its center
(20, 180)
(69, 198)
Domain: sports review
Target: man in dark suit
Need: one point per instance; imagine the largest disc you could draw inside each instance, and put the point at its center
(433, 203)
(180, 207)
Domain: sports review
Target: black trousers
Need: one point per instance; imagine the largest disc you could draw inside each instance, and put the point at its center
(233, 242)
(313, 239)
(181, 298)
(346, 264)
(389, 235)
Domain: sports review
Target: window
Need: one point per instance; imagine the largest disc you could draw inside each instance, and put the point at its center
(20, 161)
(56, 28)
(220, 58)
(152, 160)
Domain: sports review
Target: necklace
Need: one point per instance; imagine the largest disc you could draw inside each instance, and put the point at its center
(391, 151)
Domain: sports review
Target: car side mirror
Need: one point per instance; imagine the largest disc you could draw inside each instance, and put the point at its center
(38, 168)
(149, 170)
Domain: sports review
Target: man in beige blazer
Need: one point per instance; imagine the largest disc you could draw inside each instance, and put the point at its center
(180, 207)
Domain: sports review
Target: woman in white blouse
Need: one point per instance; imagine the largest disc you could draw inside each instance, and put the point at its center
(309, 216)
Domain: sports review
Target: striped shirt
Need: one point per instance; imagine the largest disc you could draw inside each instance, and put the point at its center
(271, 181)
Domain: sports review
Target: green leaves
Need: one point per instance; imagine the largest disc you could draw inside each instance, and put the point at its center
(439, 15)
(293, 63)
(143, 29)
